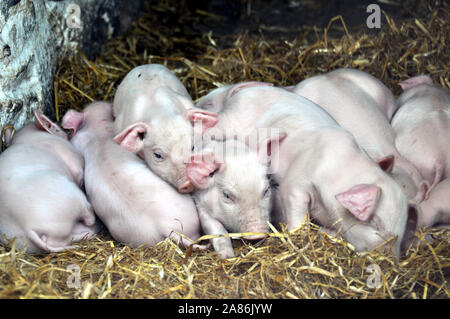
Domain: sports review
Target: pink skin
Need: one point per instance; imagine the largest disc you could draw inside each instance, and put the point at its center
(371, 87)
(154, 117)
(359, 102)
(136, 206)
(233, 193)
(422, 128)
(41, 203)
(215, 99)
(436, 209)
(322, 170)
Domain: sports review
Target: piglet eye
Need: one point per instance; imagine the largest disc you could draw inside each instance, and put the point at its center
(266, 192)
(227, 196)
(158, 157)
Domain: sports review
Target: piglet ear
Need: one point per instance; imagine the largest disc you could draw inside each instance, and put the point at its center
(244, 85)
(7, 135)
(43, 123)
(360, 200)
(414, 211)
(206, 118)
(387, 163)
(268, 145)
(200, 169)
(268, 151)
(423, 192)
(414, 81)
(72, 120)
(132, 138)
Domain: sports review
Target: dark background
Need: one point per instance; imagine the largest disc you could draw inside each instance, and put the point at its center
(284, 18)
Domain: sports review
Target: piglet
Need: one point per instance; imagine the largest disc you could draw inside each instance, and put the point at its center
(361, 104)
(436, 209)
(215, 99)
(234, 193)
(154, 118)
(322, 169)
(422, 127)
(136, 206)
(41, 203)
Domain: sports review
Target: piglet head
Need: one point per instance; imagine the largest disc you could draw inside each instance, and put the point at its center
(166, 152)
(236, 184)
(360, 200)
(43, 123)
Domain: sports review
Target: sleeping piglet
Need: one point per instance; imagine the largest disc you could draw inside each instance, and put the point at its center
(436, 209)
(322, 169)
(136, 206)
(154, 118)
(422, 127)
(233, 191)
(361, 104)
(215, 99)
(41, 203)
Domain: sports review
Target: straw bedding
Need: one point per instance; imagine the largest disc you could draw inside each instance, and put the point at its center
(305, 263)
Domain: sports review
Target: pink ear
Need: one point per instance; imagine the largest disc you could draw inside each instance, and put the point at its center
(132, 138)
(423, 192)
(43, 123)
(268, 152)
(265, 148)
(387, 163)
(72, 120)
(360, 200)
(244, 85)
(208, 119)
(414, 81)
(199, 169)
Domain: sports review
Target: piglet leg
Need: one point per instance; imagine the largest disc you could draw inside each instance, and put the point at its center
(186, 242)
(212, 226)
(296, 200)
(42, 241)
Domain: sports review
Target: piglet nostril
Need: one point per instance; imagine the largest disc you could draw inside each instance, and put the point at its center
(186, 188)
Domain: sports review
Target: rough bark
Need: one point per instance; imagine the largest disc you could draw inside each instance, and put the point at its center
(35, 34)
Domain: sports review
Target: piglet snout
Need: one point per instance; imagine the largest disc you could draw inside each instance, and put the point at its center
(186, 188)
(255, 237)
(256, 228)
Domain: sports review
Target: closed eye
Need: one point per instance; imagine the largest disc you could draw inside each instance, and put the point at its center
(228, 197)
(266, 192)
(159, 157)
